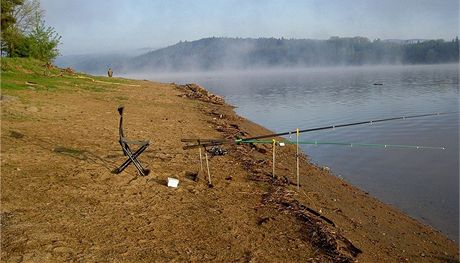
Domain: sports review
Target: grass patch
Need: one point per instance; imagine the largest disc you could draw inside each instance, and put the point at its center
(12, 85)
(26, 73)
(26, 66)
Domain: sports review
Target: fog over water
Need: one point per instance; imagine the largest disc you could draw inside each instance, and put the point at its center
(422, 183)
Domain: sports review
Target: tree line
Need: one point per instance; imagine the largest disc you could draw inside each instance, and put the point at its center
(221, 53)
(24, 32)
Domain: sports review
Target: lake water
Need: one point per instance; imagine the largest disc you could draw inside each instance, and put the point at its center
(422, 183)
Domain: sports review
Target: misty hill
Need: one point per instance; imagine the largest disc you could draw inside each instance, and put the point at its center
(238, 53)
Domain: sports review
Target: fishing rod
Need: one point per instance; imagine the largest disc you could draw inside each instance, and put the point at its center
(216, 142)
(351, 144)
(205, 143)
(346, 125)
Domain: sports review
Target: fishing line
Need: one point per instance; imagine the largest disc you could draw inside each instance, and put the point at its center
(351, 144)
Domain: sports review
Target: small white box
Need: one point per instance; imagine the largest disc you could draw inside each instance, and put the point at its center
(173, 182)
(282, 144)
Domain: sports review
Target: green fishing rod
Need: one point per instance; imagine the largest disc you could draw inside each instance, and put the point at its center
(351, 144)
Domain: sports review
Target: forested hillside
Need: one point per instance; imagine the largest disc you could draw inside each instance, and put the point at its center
(225, 53)
(247, 53)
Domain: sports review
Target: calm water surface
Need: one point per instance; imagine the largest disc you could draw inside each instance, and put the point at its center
(422, 183)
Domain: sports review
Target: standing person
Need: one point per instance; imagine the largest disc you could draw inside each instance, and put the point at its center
(110, 72)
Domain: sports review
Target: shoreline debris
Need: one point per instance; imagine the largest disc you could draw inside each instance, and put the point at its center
(194, 91)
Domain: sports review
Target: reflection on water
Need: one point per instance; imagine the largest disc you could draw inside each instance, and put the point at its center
(422, 183)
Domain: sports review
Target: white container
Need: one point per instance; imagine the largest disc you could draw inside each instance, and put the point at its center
(173, 182)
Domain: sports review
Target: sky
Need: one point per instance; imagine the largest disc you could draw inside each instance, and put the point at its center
(96, 26)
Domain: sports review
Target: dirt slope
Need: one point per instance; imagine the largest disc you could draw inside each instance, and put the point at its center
(60, 202)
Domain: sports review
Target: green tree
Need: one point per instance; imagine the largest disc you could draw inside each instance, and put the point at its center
(9, 35)
(7, 9)
(42, 42)
(25, 34)
(11, 40)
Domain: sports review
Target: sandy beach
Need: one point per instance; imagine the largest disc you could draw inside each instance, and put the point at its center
(61, 203)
